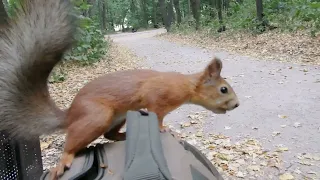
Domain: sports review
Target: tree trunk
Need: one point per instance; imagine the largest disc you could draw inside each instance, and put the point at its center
(261, 26)
(189, 7)
(177, 7)
(154, 13)
(145, 13)
(164, 15)
(90, 2)
(171, 14)
(133, 8)
(195, 7)
(259, 10)
(109, 17)
(225, 5)
(219, 6)
(103, 15)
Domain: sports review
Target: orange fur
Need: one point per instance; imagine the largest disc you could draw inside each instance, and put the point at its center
(100, 107)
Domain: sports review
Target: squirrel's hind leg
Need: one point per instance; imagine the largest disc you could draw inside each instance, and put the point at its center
(82, 132)
(114, 133)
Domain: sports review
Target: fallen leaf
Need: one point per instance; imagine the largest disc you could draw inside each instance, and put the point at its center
(282, 116)
(187, 124)
(45, 144)
(254, 168)
(311, 172)
(273, 163)
(275, 133)
(211, 147)
(223, 156)
(297, 124)
(297, 171)
(306, 163)
(281, 149)
(312, 156)
(199, 134)
(263, 163)
(255, 128)
(193, 122)
(224, 167)
(286, 176)
(251, 142)
(240, 174)
(183, 135)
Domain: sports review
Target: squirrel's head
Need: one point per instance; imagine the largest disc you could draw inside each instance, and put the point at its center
(213, 92)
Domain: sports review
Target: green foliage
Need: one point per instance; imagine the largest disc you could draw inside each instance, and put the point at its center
(241, 15)
(57, 76)
(295, 15)
(91, 45)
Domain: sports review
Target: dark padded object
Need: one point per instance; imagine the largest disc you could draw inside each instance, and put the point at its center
(147, 154)
(19, 159)
(144, 147)
(81, 167)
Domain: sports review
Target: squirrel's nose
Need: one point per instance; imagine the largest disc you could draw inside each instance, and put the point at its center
(236, 105)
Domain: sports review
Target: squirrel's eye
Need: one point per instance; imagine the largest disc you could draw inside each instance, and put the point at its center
(224, 90)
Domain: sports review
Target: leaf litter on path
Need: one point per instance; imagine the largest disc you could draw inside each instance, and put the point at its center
(235, 160)
(244, 159)
(297, 48)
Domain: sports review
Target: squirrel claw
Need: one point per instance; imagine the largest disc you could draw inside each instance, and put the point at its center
(59, 170)
(164, 129)
(53, 174)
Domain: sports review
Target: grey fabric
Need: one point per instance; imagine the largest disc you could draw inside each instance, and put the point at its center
(112, 157)
(81, 164)
(196, 175)
(147, 154)
(144, 155)
(179, 160)
(202, 159)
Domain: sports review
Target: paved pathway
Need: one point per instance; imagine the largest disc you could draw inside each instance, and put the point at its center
(265, 89)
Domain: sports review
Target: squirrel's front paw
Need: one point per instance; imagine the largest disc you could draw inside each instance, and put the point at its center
(53, 174)
(164, 129)
(65, 163)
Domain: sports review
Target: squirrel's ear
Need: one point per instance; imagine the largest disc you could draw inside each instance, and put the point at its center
(213, 69)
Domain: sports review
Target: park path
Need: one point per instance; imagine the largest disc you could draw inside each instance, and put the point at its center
(279, 102)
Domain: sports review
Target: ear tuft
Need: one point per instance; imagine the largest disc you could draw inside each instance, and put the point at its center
(213, 69)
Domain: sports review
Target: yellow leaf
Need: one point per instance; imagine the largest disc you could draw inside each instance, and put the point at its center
(281, 149)
(286, 176)
(282, 116)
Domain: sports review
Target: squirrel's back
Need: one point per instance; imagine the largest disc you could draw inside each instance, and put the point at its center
(32, 44)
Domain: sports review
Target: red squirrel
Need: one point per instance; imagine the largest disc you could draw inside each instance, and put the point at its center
(36, 40)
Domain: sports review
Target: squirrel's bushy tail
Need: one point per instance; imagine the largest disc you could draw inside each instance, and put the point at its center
(32, 44)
